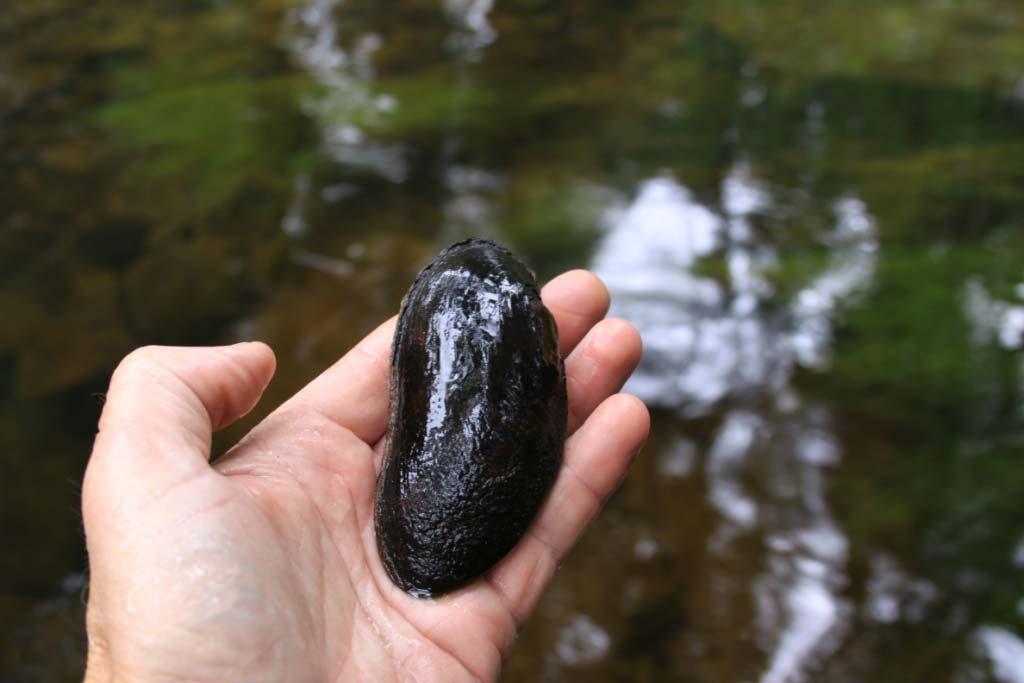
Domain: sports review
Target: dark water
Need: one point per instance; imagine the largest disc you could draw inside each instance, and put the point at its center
(814, 212)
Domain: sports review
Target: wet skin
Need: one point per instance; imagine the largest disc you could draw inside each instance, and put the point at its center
(477, 422)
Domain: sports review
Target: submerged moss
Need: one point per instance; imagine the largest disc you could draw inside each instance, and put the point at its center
(221, 134)
(965, 43)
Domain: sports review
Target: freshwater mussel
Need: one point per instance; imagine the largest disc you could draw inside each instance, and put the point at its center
(477, 422)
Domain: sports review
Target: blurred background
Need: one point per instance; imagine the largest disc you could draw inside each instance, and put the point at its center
(813, 211)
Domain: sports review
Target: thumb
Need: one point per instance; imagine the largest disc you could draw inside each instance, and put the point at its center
(163, 406)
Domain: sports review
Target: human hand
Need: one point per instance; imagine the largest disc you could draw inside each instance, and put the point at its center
(264, 566)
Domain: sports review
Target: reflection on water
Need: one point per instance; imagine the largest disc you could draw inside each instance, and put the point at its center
(345, 96)
(1005, 652)
(893, 596)
(469, 210)
(801, 614)
(992, 318)
(819, 238)
(581, 642)
(475, 32)
(707, 340)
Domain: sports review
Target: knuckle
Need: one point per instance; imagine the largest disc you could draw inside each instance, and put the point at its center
(623, 329)
(138, 360)
(244, 373)
(615, 339)
(146, 363)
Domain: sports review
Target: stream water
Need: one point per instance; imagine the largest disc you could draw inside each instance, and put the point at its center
(812, 211)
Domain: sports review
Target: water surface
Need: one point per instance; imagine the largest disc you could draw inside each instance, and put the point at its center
(813, 211)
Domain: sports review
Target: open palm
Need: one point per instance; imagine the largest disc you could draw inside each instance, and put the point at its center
(264, 567)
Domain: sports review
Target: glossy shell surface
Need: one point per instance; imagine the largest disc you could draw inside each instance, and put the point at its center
(477, 423)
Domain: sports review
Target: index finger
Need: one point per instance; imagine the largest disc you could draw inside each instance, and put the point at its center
(354, 391)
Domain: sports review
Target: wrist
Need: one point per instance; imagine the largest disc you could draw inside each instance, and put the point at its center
(97, 668)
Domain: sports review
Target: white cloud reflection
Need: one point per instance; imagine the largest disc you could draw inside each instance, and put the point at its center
(893, 595)
(343, 66)
(993, 319)
(726, 461)
(581, 642)
(1004, 651)
(729, 342)
(706, 340)
(474, 31)
(1018, 555)
(348, 99)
